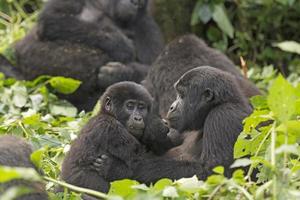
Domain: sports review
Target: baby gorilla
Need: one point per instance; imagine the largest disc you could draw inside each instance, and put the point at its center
(124, 124)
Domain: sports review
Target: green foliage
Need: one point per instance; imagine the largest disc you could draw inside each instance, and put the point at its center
(270, 148)
(16, 19)
(271, 138)
(251, 29)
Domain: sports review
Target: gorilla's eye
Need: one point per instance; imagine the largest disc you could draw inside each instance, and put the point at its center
(130, 105)
(141, 106)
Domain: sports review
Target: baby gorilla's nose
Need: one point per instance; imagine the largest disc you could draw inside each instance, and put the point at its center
(138, 118)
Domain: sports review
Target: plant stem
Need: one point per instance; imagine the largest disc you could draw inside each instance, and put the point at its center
(243, 190)
(23, 129)
(273, 160)
(77, 189)
(215, 191)
(256, 153)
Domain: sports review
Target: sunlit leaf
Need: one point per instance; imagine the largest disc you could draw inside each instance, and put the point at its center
(222, 20)
(64, 85)
(289, 46)
(170, 192)
(282, 98)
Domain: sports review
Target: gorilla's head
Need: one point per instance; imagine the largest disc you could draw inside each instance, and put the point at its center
(128, 10)
(198, 91)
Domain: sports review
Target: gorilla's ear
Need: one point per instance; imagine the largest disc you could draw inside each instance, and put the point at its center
(107, 104)
(208, 95)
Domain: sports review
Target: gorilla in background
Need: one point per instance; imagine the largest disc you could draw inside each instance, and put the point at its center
(124, 129)
(181, 55)
(15, 152)
(209, 109)
(99, 42)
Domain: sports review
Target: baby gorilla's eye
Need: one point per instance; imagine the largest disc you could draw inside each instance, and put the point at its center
(141, 106)
(130, 105)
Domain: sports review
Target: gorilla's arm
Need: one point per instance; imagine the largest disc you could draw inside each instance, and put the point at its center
(60, 20)
(151, 170)
(147, 34)
(218, 142)
(221, 129)
(114, 72)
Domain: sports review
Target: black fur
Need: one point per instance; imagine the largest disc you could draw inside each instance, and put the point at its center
(76, 38)
(210, 108)
(108, 133)
(15, 152)
(181, 55)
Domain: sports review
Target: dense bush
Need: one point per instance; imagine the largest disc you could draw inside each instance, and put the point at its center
(250, 29)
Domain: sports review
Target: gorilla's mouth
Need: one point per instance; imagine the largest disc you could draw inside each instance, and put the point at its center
(136, 131)
(173, 121)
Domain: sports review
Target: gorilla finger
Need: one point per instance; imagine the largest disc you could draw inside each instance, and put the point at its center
(104, 156)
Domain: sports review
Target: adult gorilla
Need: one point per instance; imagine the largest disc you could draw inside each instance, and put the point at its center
(181, 55)
(88, 40)
(210, 107)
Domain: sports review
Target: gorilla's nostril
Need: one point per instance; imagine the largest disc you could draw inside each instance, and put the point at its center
(137, 119)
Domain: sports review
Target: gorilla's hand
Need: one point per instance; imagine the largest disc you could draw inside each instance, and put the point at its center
(175, 137)
(113, 72)
(102, 165)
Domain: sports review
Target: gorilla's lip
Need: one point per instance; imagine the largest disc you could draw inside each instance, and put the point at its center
(173, 119)
(135, 128)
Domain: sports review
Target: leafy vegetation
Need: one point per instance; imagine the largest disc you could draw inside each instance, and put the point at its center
(268, 145)
(251, 29)
(31, 110)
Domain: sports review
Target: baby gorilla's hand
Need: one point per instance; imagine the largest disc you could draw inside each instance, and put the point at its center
(113, 72)
(102, 165)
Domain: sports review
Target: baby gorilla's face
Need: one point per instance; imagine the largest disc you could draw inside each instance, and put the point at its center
(137, 112)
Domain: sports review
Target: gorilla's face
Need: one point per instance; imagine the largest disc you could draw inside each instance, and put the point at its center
(130, 104)
(193, 103)
(127, 10)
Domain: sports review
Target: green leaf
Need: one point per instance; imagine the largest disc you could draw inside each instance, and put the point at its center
(64, 85)
(123, 188)
(205, 13)
(19, 95)
(219, 170)
(11, 173)
(259, 102)
(63, 108)
(215, 179)
(190, 185)
(170, 192)
(162, 183)
(222, 20)
(289, 46)
(37, 157)
(282, 99)
(243, 162)
(142, 187)
(14, 192)
(195, 18)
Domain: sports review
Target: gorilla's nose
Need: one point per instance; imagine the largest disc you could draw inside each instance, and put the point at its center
(137, 118)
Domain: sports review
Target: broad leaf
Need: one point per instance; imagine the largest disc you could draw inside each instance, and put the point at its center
(64, 85)
(222, 20)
